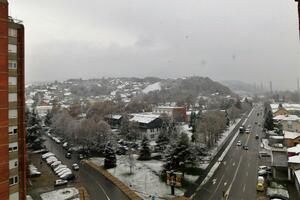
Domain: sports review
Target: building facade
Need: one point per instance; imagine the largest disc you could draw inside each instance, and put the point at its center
(12, 123)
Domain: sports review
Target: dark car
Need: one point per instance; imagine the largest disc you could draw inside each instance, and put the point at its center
(245, 147)
(80, 156)
(69, 155)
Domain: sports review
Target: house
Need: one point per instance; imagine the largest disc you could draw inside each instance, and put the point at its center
(294, 165)
(293, 151)
(279, 163)
(178, 114)
(289, 122)
(149, 124)
(114, 120)
(297, 179)
(285, 108)
(291, 138)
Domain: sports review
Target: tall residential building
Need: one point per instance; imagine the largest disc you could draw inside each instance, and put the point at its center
(12, 124)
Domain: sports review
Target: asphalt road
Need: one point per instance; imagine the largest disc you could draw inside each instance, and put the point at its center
(237, 174)
(96, 185)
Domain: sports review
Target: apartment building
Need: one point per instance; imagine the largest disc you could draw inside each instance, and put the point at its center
(12, 126)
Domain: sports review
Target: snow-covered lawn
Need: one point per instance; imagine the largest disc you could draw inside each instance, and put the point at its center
(61, 194)
(145, 178)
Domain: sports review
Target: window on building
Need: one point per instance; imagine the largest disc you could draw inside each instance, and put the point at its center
(13, 147)
(12, 64)
(12, 114)
(12, 80)
(12, 97)
(13, 163)
(12, 32)
(12, 130)
(13, 180)
(12, 48)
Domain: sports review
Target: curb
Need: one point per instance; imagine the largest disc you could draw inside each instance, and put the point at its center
(124, 188)
(83, 194)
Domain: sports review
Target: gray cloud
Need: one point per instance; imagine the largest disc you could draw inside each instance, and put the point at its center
(252, 41)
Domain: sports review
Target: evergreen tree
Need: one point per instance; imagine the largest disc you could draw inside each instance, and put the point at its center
(269, 122)
(163, 139)
(180, 155)
(145, 153)
(48, 118)
(238, 104)
(110, 160)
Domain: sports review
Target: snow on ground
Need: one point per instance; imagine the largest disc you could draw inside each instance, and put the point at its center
(61, 194)
(145, 178)
(152, 87)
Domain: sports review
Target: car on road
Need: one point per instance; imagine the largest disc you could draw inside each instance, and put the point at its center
(68, 155)
(255, 122)
(80, 156)
(263, 167)
(245, 147)
(60, 182)
(247, 131)
(262, 172)
(256, 136)
(239, 143)
(75, 166)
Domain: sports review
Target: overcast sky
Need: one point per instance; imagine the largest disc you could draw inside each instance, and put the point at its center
(252, 41)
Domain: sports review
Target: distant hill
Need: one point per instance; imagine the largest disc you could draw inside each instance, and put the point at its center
(239, 87)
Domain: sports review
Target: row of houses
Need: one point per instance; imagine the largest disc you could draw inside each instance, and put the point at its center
(285, 146)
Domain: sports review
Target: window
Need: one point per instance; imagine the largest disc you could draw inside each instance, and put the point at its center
(12, 32)
(13, 147)
(12, 114)
(12, 97)
(12, 80)
(12, 64)
(13, 180)
(12, 130)
(13, 163)
(12, 48)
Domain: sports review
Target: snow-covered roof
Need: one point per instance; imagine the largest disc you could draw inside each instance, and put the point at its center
(297, 174)
(144, 118)
(295, 149)
(291, 135)
(287, 106)
(277, 137)
(294, 159)
(167, 107)
(286, 118)
(114, 116)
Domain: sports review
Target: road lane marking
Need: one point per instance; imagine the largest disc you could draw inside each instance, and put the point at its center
(225, 183)
(247, 174)
(224, 162)
(244, 188)
(217, 186)
(233, 164)
(236, 171)
(102, 190)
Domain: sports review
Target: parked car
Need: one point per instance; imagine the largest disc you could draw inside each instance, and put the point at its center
(278, 145)
(51, 160)
(60, 182)
(55, 164)
(263, 167)
(75, 166)
(263, 172)
(80, 156)
(68, 155)
(264, 154)
(239, 143)
(64, 171)
(61, 170)
(47, 155)
(59, 167)
(65, 145)
(68, 176)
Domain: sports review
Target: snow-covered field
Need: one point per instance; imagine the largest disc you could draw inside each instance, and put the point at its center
(145, 178)
(152, 87)
(62, 194)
